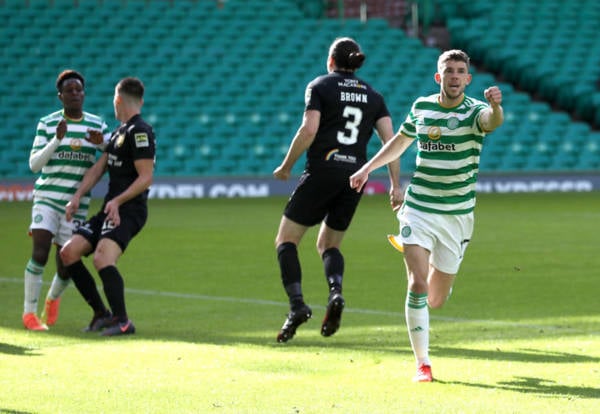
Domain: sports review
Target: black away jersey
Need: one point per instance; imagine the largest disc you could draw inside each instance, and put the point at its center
(349, 109)
(132, 141)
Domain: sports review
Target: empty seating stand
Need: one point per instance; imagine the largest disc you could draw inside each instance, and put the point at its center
(225, 85)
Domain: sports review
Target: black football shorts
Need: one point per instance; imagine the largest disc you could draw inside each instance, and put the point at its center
(323, 195)
(97, 227)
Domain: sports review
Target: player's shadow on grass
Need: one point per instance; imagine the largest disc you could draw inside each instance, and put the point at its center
(16, 350)
(9, 411)
(523, 355)
(534, 385)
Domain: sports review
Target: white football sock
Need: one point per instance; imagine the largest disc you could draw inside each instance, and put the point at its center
(33, 286)
(417, 322)
(57, 287)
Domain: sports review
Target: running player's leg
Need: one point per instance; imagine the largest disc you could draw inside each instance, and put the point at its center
(454, 235)
(61, 280)
(440, 286)
(340, 211)
(59, 283)
(71, 253)
(287, 240)
(416, 259)
(34, 271)
(288, 237)
(328, 246)
(105, 258)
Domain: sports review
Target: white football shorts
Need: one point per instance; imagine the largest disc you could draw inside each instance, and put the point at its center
(446, 236)
(46, 218)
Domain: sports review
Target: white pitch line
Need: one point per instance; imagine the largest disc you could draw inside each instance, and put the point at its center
(252, 301)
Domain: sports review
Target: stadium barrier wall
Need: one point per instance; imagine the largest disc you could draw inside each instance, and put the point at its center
(233, 187)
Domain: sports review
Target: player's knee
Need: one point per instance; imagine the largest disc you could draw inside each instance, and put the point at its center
(73, 251)
(40, 256)
(435, 302)
(67, 256)
(417, 284)
(329, 248)
(102, 260)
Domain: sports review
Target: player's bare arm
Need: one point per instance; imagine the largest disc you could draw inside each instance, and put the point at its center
(391, 151)
(492, 117)
(302, 140)
(385, 132)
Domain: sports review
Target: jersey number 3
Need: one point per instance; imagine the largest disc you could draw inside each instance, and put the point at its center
(353, 116)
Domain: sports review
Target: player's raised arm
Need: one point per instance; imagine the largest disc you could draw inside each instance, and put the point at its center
(492, 117)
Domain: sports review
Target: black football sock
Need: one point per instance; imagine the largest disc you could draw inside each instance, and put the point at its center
(291, 273)
(333, 264)
(114, 289)
(85, 284)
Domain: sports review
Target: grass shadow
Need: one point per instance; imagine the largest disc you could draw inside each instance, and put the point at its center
(522, 355)
(10, 349)
(539, 386)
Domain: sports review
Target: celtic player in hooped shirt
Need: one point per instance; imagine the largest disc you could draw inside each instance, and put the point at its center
(436, 217)
(65, 147)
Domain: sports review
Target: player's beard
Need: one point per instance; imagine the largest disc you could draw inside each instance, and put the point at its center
(453, 93)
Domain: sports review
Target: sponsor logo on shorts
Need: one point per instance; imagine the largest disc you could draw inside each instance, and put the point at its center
(85, 229)
(406, 231)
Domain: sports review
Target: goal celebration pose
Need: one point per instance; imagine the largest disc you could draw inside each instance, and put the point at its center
(436, 217)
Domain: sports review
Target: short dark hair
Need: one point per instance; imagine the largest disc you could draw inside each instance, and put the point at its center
(68, 74)
(132, 87)
(454, 54)
(346, 53)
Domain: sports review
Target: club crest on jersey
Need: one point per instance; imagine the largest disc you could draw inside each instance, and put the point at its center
(141, 140)
(452, 123)
(75, 144)
(434, 132)
(120, 140)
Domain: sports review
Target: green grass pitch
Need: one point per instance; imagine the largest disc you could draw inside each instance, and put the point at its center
(520, 333)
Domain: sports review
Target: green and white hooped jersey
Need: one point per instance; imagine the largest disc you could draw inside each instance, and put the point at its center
(63, 172)
(449, 146)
